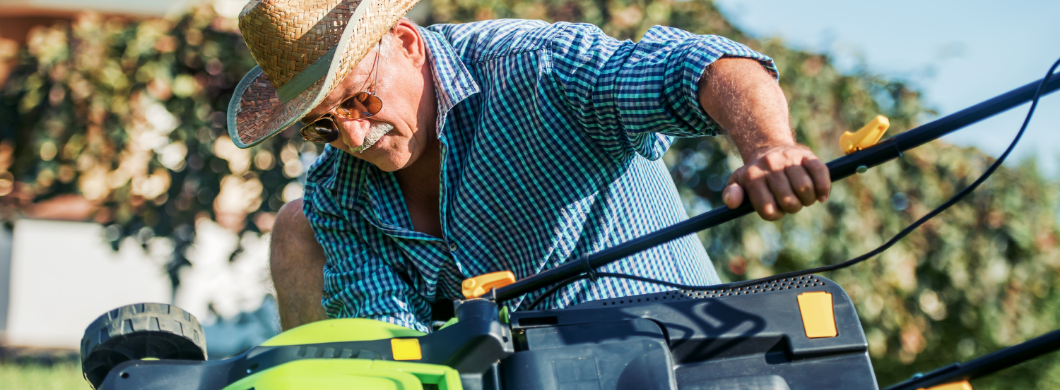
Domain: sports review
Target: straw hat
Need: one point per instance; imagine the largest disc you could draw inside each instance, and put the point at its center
(304, 48)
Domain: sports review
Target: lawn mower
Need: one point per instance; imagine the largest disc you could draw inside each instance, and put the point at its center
(791, 331)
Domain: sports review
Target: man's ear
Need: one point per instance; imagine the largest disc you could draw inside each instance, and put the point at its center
(410, 42)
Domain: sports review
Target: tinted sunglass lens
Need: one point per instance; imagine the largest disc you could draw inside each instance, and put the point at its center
(361, 104)
(311, 136)
(322, 130)
(328, 135)
(371, 103)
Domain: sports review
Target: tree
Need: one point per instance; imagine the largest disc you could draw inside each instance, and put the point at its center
(125, 120)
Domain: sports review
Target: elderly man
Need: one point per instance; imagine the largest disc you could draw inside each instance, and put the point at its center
(458, 150)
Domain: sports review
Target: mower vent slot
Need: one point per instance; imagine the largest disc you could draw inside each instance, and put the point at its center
(776, 285)
(532, 321)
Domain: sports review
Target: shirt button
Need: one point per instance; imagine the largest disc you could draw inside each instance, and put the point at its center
(452, 247)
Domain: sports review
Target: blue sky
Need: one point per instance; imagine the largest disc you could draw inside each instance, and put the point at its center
(958, 53)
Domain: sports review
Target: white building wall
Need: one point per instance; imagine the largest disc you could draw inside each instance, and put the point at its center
(63, 275)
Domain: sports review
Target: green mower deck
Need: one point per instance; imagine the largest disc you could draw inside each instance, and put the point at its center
(748, 338)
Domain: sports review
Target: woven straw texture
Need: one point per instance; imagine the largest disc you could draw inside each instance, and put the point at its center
(287, 36)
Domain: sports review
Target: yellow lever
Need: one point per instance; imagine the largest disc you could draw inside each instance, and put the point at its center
(866, 137)
(962, 385)
(480, 285)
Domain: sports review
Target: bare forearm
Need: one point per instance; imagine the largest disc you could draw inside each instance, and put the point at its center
(779, 175)
(296, 262)
(749, 105)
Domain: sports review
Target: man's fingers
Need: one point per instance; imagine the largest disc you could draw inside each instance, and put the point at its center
(802, 184)
(822, 180)
(763, 201)
(782, 192)
(779, 181)
(732, 196)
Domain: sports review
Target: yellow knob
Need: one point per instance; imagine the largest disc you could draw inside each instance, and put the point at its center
(482, 284)
(867, 136)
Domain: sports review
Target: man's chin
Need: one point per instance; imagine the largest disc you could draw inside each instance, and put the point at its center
(388, 167)
(389, 163)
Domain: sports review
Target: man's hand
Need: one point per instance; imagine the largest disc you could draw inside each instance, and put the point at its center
(779, 181)
(780, 176)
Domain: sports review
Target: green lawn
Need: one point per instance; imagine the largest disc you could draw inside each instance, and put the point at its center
(33, 376)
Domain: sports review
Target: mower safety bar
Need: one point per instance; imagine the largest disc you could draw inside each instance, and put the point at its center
(984, 365)
(839, 168)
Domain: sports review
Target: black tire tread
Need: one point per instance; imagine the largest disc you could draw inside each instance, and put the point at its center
(137, 331)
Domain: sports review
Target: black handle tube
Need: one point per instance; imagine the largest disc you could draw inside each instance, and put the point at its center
(839, 169)
(985, 365)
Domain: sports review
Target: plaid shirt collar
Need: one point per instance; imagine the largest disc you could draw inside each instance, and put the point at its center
(452, 84)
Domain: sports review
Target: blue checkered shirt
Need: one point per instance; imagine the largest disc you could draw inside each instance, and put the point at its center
(551, 138)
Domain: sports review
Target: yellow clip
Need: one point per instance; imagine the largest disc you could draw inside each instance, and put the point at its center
(818, 315)
(962, 385)
(482, 284)
(866, 137)
(406, 349)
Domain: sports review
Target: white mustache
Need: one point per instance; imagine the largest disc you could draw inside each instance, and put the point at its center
(375, 132)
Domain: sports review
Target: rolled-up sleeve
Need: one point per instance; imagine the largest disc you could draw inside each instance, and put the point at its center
(357, 282)
(636, 96)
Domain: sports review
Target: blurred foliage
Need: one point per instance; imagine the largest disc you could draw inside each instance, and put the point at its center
(977, 278)
(131, 116)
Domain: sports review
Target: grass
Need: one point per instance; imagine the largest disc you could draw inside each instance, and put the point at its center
(36, 376)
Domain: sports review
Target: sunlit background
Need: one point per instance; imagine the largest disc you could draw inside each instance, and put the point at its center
(118, 183)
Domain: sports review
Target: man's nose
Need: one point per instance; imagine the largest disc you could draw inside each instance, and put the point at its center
(352, 131)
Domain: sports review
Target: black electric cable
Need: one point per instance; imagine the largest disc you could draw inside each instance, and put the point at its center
(953, 200)
(557, 286)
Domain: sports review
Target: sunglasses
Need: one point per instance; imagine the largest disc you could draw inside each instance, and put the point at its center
(359, 106)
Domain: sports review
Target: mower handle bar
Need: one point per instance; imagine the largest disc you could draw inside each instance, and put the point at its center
(839, 169)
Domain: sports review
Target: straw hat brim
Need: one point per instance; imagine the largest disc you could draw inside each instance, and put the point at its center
(256, 111)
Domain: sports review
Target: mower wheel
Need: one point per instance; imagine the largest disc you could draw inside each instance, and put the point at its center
(138, 331)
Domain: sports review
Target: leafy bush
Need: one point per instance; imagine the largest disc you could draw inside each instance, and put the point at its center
(130, 116)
